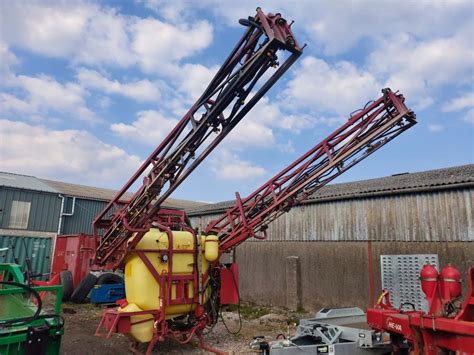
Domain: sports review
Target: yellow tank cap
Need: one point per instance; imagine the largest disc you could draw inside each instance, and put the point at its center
(211, 248)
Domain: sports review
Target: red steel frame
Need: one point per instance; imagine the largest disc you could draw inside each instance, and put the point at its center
(227, 99)
(115, 321)
(427, 334)
(365, 132)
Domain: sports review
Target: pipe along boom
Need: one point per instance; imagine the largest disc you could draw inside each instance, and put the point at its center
(365, 132)
(174, 280)
(228, 98)
(167, 276)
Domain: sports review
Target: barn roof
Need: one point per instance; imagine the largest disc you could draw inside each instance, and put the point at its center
(32, 183)
(24, 182)
(400, 183)
(96, 193)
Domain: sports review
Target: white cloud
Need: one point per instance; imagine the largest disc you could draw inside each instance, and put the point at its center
(240, 170)
(11, 103)
(71, 155)
(81, 32)
(435, 128)
(460, 103)
(336, 26)
(418, 68)
(250, 133)
(412, 55)
(270, 113)
(258, 128)
(194, 79)
(7, 61)
(337, 88)
(418, 53)
(463, 102)
(98, 35)
(54, 30)
(45, 94)
(227, 12)
(159, 45)
(150, 127)
(228, 166)
(105, 39)
(44, 90)
(469, 117)
(139, 90)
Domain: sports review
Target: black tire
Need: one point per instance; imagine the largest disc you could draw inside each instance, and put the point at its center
(65, 279)
(108, 278)
(80, 293)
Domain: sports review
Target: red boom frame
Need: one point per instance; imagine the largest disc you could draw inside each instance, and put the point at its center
(210, 119)
(365, 132)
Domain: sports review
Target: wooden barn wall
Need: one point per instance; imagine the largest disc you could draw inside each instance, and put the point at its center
(433, 216)
(331, 240)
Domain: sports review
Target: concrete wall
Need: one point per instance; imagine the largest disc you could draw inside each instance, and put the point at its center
(333, 274)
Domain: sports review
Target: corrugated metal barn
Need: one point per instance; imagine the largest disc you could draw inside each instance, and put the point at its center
(341, 231)
(337, 236)
(83, 204)
(34, 211)
(29, 211)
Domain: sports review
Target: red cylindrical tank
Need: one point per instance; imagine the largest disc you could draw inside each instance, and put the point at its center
(450, 283)
(429, 279)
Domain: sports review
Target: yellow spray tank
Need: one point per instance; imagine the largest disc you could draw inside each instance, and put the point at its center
(173, 258)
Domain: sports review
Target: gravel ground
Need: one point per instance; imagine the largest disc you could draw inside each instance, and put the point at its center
(81, 322)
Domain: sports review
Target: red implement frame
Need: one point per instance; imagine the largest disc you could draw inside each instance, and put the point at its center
(426, 333)
(365, 132)
(227, 99)
(115, 321)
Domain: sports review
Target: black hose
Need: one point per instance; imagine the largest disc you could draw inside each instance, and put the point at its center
(23, 320)
(238, 310)
(213, 301)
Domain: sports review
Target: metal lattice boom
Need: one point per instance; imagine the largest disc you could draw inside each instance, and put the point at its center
(235, 89)
(365, 132)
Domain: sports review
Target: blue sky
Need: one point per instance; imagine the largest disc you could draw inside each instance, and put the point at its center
(88, 89)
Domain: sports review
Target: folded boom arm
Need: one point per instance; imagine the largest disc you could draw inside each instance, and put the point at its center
(365, 132)
(235, 89)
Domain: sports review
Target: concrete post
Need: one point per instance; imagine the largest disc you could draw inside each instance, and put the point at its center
(293, 283)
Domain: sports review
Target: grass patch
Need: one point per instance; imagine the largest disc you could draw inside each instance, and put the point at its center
(247, 310)
(294, 317)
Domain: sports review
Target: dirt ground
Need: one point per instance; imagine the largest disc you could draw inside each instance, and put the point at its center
(81, 322)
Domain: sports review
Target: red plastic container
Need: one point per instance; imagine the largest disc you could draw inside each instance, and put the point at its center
(230, 284)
